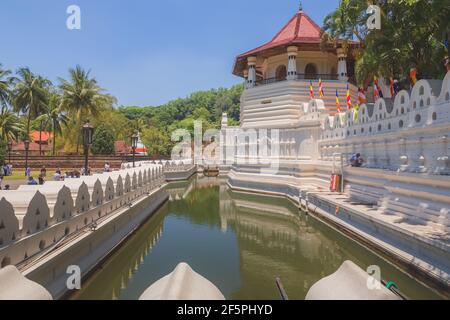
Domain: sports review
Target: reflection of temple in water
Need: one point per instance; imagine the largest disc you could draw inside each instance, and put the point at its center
(120, 269)
(274, 236)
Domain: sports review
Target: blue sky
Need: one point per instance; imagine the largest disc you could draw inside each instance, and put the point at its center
(144, 52)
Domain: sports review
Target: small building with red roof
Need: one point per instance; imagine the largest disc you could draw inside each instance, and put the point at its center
(297, 53)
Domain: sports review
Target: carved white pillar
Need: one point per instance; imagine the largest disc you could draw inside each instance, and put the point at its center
(342, 64)
(251, 80)
(292, 63)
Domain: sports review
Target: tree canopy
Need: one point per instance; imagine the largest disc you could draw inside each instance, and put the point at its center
(414, 34)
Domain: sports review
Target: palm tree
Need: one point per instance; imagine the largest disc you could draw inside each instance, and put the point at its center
(5, 86)
(82, 97)
(10, 125)
(30, 95)
(54, 119)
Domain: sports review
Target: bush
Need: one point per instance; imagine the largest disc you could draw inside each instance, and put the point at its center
(103, 141)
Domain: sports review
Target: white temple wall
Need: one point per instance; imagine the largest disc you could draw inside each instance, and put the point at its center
(27, 228)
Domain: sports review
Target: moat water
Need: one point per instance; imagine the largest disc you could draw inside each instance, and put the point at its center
(240, 242)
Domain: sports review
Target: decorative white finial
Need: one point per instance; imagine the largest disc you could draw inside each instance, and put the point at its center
(301, 7)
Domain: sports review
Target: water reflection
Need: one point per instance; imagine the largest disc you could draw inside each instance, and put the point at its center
(240, 242)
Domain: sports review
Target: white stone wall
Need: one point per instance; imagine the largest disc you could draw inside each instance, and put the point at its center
(410, 134)
(35, 218)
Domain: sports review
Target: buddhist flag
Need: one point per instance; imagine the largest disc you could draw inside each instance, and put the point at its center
(413, 76)
(311, 90)
(321, 88)
(338, 104)
(392, 88)
(349, 99)
(361, 96)
(376, 89)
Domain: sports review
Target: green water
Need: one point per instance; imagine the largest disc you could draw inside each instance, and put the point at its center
(240, 242)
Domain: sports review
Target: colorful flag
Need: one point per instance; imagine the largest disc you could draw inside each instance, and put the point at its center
(376, 89)
(321, 88)
(361, 96)
(392, 88)
(349, 99)
(311, 91)
(413, 76)
(338, 104)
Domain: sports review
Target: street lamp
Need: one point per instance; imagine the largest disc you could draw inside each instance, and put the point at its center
(88, 132)
(134, 143)
(10, 144)
(26, 143)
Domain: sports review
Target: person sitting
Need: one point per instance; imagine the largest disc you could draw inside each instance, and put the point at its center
(31, 181)
(356, 160)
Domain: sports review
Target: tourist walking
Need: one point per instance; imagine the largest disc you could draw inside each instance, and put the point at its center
(28, 172)
(107, 167)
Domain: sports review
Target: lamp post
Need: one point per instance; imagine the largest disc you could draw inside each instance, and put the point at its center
(88, 131)
(26, 143)
(134, 143)
(10, 144)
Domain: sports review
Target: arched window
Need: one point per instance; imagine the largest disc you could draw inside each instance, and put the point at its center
(310, 71)
(281, 73)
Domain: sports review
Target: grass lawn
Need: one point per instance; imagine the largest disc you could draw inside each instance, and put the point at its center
(20, 175)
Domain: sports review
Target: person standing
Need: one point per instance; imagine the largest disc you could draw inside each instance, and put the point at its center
(28, 172)
(43, 172)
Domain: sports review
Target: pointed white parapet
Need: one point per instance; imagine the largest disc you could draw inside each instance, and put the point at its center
(59, 200)
(350, 282)
(9, 224)
(14, 286)
(30, 208)
(183, 284)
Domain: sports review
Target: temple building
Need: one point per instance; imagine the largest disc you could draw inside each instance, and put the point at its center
(278, 74)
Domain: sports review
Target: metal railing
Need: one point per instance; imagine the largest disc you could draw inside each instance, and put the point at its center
(300, 76)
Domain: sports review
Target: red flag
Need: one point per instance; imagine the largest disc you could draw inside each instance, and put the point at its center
(338, 104)
(311, 91)
(321, 88)
(361, 96)
(349, 99)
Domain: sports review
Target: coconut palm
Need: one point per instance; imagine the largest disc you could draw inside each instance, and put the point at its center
(30, 95)
(5, 86)
(54, 119)
(10, 125)
(82, 97)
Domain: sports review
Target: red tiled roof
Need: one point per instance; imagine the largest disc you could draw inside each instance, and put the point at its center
(301, 29)
(45, 136)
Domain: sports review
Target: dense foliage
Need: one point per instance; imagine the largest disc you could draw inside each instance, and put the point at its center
(30, 102)
(414, 34)
(156, 124)
(103, 140)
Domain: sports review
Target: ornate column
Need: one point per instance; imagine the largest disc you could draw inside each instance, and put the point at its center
(292, 52)
(251, 80)
(342, 64)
